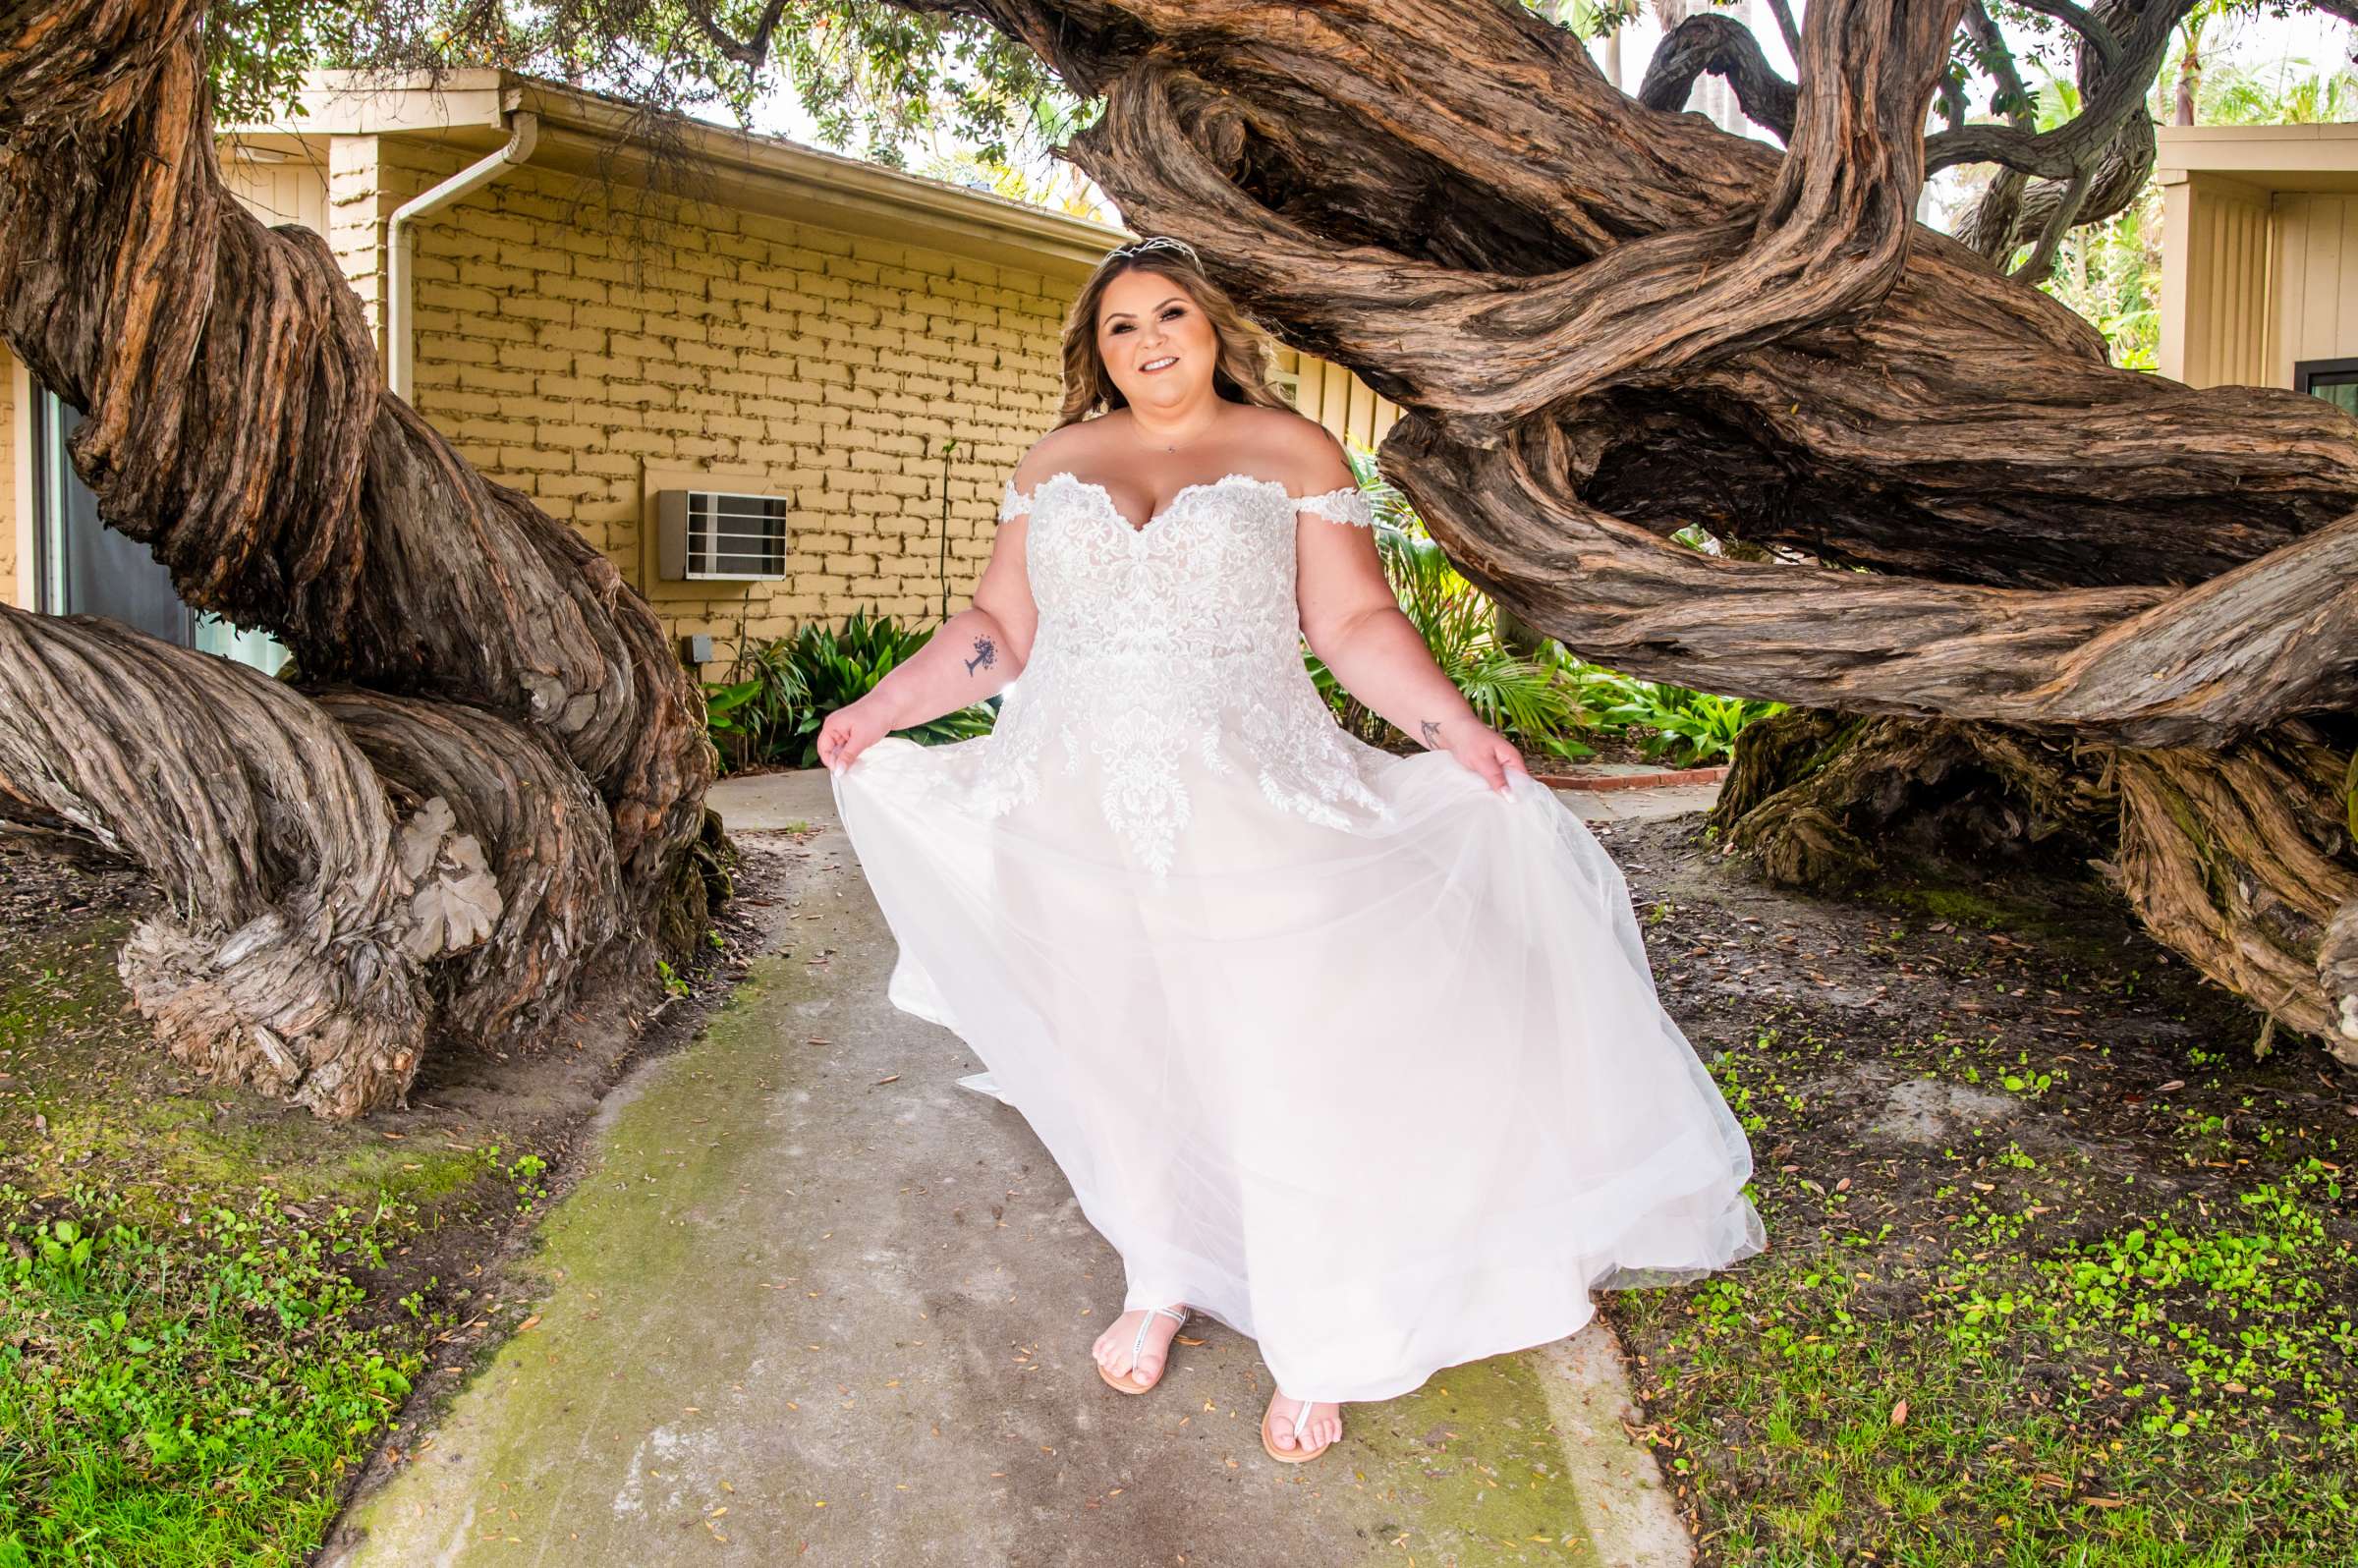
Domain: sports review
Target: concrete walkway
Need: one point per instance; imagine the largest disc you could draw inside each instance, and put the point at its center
(810, 1302)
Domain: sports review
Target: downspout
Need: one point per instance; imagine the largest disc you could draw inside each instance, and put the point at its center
(524, 134)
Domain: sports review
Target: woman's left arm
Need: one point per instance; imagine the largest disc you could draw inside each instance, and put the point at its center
(1354, 623)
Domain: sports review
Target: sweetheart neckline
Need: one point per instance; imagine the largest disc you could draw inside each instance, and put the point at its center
(1140, 531)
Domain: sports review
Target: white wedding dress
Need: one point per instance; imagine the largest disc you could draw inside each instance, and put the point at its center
(1343, 1049)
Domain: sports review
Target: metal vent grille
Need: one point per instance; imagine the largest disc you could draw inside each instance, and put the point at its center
(715, 535)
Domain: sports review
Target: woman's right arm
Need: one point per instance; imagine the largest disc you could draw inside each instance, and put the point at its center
(973, 655)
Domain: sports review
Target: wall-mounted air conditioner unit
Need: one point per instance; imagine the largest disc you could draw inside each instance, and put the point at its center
(708, 536)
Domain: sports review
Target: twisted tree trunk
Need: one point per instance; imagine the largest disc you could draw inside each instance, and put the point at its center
(1606, 322)
(490, 784)
(2130, 600)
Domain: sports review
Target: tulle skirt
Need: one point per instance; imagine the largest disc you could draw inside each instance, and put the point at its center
(1384, 1097)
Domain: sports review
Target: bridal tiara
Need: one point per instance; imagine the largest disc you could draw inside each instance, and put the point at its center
(1159, 243)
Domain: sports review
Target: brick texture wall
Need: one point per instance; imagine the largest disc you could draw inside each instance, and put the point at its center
(568, 349)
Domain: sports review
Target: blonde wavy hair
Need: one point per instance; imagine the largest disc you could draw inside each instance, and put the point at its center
(1248, 359)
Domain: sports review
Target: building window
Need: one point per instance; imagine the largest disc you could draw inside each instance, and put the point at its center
(83, 567)
(2334, 380)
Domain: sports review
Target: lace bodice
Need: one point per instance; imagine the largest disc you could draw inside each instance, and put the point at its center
(1173, 642)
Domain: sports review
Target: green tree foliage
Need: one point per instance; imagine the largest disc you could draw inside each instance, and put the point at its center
(866, 72)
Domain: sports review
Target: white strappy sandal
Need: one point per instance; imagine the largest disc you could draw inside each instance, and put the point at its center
(1137, 1348)
(1297, 1454)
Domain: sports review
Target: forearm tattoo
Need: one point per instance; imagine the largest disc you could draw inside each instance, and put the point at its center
(984, 654)
(1433, 733)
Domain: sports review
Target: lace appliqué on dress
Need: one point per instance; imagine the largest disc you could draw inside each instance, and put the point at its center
(1158, 640)
(1013, 503)
(1346, 505)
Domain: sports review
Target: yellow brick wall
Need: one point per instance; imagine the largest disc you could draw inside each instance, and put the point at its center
(565, 349)
(358, 202)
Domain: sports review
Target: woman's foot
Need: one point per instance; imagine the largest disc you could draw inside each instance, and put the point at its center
(1298, 1429)
(1131, 1353)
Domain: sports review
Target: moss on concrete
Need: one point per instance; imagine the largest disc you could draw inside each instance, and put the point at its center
(1474, 1468)
(666, 1172)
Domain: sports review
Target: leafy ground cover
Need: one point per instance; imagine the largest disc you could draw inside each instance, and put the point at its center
(213, 1309)
(2059, 1271)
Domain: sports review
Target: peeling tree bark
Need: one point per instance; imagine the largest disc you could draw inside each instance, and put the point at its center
(1606, 322)
(488, 787)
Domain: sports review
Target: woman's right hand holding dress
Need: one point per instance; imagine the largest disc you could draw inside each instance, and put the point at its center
(851, 729)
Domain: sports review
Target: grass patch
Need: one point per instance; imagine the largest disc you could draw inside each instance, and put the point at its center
(2145, 1396)
(212, 1307)
(190, 1395)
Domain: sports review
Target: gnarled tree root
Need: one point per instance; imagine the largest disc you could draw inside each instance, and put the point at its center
(2241, 860)
(501, 788)
(343, 875)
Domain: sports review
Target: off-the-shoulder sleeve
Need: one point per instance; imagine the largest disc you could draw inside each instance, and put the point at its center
(1348, 504)
(1013, 502)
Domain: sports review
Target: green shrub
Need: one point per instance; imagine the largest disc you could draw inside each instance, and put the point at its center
(1672, 723)
(746, 715)
(1541, 701)
(1520, 698)
(770, 712)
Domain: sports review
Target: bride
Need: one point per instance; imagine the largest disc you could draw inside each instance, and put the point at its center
(1354, 1053)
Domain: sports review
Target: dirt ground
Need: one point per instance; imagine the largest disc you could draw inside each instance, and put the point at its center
(2037, 1155)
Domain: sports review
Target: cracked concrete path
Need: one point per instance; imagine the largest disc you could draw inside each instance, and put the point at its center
(810, 1302)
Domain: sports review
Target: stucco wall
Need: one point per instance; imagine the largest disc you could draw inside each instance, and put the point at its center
(2317, 280)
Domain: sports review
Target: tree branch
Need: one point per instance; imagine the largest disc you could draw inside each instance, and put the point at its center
(1997, 58)
(751, 53)
(2343, 10)
(2089, 27)
(1830, 238)
(2143, 666)
(1724, 47)
(2116, 92)
(2042, 259)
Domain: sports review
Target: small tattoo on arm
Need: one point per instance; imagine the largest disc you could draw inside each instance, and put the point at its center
(984, 654)
(1433, 733)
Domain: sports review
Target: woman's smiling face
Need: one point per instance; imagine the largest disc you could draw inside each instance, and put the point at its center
(1158, 346)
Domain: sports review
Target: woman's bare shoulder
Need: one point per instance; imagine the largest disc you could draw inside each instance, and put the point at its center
(1066, 448)
(1259, 421)
(1312, 457)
